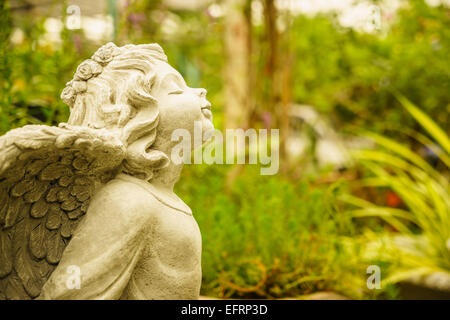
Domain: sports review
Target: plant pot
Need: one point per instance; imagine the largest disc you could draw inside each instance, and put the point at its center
(435, 286)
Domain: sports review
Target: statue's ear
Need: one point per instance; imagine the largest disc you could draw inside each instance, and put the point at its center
(143, 104)
(139, 90)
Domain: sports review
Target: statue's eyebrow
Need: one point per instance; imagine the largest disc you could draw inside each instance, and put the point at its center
(175, 77)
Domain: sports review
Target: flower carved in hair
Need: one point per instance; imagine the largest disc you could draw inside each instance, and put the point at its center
(78, 86)
(68, 95)
(72, 88)
(87, 70)
(105, 54)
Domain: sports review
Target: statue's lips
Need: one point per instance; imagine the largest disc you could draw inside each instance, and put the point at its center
(206, 110)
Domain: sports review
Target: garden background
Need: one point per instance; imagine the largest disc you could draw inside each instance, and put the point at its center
(359, 91)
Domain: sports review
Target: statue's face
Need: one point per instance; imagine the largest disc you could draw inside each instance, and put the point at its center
(179, 105)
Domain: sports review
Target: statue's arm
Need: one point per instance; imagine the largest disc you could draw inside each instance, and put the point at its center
(105, 248)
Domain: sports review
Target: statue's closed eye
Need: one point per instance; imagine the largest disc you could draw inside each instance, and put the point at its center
(175, 89)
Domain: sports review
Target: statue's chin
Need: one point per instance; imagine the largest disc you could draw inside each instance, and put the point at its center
(208, 133)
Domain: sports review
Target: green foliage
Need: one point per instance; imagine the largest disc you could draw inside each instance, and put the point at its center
(351, 75)
(34, 76)
(5, 67)
(422, 244)
(269, 237)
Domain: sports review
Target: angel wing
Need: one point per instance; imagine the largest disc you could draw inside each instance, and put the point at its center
(47, 177)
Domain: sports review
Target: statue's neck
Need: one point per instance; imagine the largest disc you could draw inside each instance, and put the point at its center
(166, 178)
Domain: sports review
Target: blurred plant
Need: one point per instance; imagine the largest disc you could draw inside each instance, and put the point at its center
(350, 75)
(35, 73)
(270, 237)
(5, 67)
(421, 243)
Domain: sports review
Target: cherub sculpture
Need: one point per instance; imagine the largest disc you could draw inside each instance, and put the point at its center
(93, 198)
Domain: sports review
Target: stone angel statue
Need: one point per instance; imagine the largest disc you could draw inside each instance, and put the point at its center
(87, 209)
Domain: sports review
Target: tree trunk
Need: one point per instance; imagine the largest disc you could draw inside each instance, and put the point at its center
(237, 65)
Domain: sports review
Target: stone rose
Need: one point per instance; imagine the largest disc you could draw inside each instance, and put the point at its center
(105, 54)
(68, 95)
(79, 86)
(87, 70)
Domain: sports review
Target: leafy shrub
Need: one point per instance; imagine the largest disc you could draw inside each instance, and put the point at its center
(268, 237)
(350, 75)
(421, 243)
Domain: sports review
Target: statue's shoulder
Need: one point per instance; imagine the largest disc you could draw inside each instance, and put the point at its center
(124, 200)
(142, 194)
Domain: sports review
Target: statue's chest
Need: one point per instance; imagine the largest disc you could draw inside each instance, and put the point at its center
(170, 264)
(174, 243)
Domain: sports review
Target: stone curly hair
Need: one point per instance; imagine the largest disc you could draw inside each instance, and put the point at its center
(112, 91)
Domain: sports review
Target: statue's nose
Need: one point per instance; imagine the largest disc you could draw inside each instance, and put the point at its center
(201, 92)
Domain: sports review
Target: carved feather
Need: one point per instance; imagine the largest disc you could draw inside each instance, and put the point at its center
(14, 288)
(36, 166)
(85, 206)
(83, 196)
(45, 269)
(77, 189)
(54, 217)
(15, 174)
(64, 181)
(82, 193)
(5, 253)
(3, 283)
(75, 214)
(24, 264)
(54, 171)
(67, 158)
(37, 241)
(13, 212)
(80, 163)
(3, 193)
(22, 187)
(28, 143)
(71, 203)
(63, 194)
(82, 181)
(67, 227)
(37, 192)
(4, 204)
(39, 208)
(55, 247)
(52, 195)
